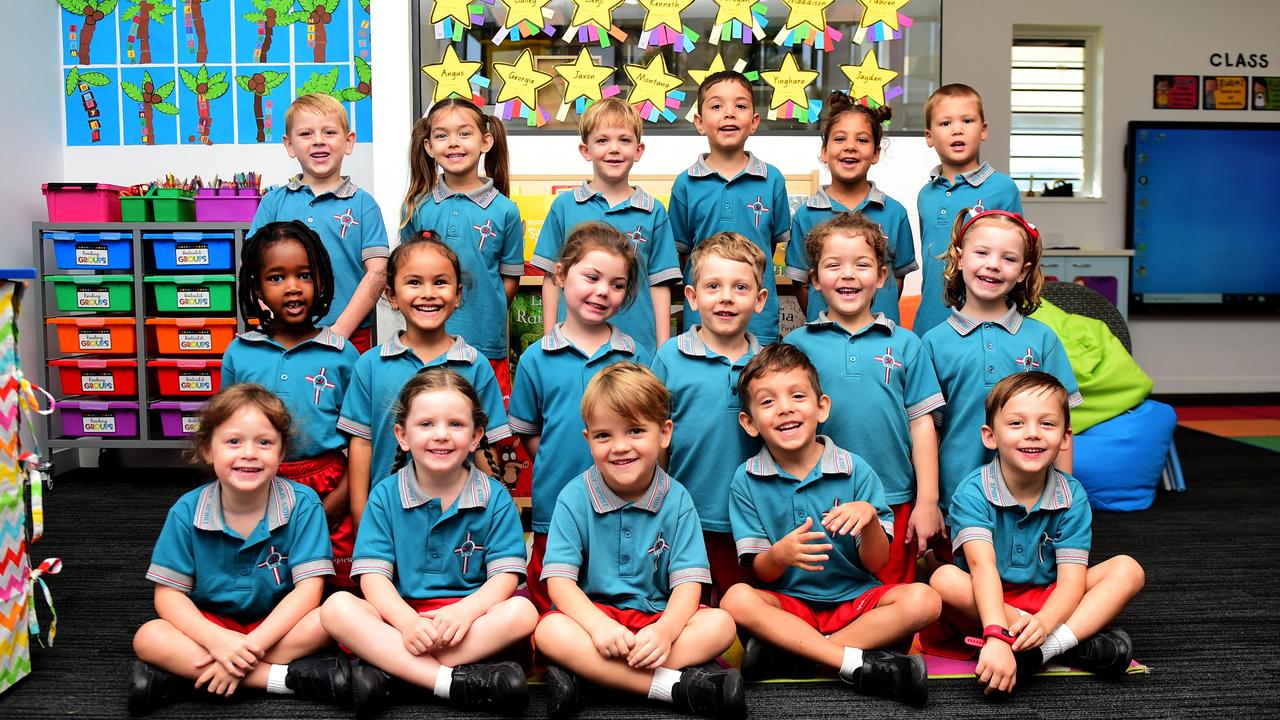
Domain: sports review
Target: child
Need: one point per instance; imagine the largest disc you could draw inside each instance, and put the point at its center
(851, 138)
(597, 274)
(473, 215)
(439, 554)
(239, 570)
(286, 283)
(820, 599)
(610, 132)
(701, 369)
(956, 129)
(625, 562)
(992, 281)
(887, 379)
(1022, 537)
(424, 285)
(346, 218)
(730, 189)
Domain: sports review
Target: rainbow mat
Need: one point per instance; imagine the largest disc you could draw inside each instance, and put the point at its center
(1257, 425)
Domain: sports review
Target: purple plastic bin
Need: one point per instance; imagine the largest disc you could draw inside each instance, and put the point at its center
(97, 418)
(178, 418)
(226, 204)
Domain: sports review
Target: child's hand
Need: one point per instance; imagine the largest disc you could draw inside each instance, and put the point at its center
(611, 639)
(236, 653)
(924, 525)
(1029, 631)
(217, 680)
(849, 518)
(451, 622)
(653, 646)
(997, 668)
(421, 636)
(801, 548)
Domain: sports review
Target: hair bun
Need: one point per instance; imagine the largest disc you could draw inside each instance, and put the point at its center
(839, 100)
(882, 114)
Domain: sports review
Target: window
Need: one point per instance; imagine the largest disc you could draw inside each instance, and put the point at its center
(1053, 109)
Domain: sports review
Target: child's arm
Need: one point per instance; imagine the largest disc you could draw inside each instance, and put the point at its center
(661, 296)
(453, 621)
(860, 519)
(997, 668)
(1066, 459)
(235, 653)
(511, 262)
(365, 297)
(797, 266)
(337, 504)
(653, 642)
(359, 457)
(302, 599)
(1065, 598)
(610, 638)
(926, 518)
(418, 633)
(550, 303)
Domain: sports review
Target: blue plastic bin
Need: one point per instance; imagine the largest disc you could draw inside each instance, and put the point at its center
(91, 250)
(190, 250)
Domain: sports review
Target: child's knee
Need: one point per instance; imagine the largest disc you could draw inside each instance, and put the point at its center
(149, 637)
(1131, 572)
(948, 580)
(339, 607)
(552, 630)
(922, 602)
(518, 615)
(716, 622)
(738, 600)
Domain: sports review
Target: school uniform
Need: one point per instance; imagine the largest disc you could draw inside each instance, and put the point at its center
(766, 503)
(349, 224)
(876, 207)
(432, 552)
(970, 357)
(938, 204)
(753, 203)
(483, 227)
(368, 408)
(643, 220)
(241, 579)
(708, 442)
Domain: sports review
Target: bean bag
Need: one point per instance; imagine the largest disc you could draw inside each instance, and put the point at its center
(1120, 461)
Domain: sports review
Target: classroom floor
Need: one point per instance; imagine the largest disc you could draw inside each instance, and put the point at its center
(1257, 425)
(1207, 625)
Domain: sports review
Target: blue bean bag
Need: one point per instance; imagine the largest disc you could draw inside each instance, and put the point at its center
(1119, 461)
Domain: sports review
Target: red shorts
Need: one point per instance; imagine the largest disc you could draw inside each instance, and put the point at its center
(901, 567)
(1028, 598)
(429, 604)
(946, 639)
(323, 474)
(537, 588)
(633, 620)
(828, 618)
(231, 623)
(502, 371)
(726, 571)
(362, 338)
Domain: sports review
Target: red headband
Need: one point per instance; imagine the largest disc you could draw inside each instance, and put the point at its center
(978, 212)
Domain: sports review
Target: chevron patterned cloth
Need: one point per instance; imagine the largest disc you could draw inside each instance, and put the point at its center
(15, 568)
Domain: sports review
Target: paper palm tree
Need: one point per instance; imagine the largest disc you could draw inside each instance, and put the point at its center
(93, 11)
(205, 87)
(327, 84)
(197, 25)
(260, 84)
(318, 14)
(142, 13)
(153, 99)
(82, 81)
(271, 14)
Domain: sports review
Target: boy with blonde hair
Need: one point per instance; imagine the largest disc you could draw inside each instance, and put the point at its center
(346, 218)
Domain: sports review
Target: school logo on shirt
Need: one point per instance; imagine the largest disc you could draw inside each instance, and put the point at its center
(486, 231)
(465, 550)
(273, 562)
(658, 547)
(346, 219)
(321, 383)
(1028, 361)
(759, 208)
(889, 362)
(637, 237)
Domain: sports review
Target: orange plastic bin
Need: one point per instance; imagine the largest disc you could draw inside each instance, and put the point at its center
(99, 336)
(192, 336)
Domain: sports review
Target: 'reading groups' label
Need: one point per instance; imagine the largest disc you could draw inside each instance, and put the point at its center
(97, 382)
(190, 423)
(98, 424)
(94, 299)
(91, 255)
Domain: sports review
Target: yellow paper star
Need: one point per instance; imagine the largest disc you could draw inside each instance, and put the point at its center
(521, 79)
(789, 83)
(813, 12)
(652, 82)
(739, 10)
(456, 9)
(664, 12)
(452, 75)
(530, 10)
(699, 75)
(582, 77)
(885, 11)
(868, 79)
(599, 12)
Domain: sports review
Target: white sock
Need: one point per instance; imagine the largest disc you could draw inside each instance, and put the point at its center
(663, 680)
(851, 663)
(444, 681)
(1058, 642)
(275, 680)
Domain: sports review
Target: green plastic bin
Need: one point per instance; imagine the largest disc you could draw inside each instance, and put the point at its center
(159, 205)
(193, 293)
(95, 293)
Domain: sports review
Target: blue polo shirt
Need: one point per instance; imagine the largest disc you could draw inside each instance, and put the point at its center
(970, 357)
(349, 223)
(546, 400)
(368, 408)
(484, 228)
(878, 208)
(635, 553)
(938, 203)
(1029, 544)
(753, 203)
(766, 503)
(884, 380)
(310, 377)
(240, 577)
(430, 551)
(642, 219)
(708, 442)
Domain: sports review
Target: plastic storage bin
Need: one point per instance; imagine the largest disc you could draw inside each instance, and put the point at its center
(82, 202)
(87, 376)
(98, 336)
(99, 418)
(187, 377)
(227, 204)
(95, 293)
(159, 205)
(178, 418)
(192, 336)
(91, 250)
(190, 250)
(193, 293)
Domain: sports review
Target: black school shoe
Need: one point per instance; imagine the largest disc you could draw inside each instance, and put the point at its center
(151, 688)
(713, 693)
(495, 687)
(371, 690)
(762, 661)
(565, 689)
(891, 675)
(1107, 654)
(323, 678)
